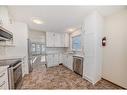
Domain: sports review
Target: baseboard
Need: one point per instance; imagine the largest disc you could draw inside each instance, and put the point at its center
(85, 77)
(114, 83)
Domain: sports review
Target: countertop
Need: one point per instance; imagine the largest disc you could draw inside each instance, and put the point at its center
(10, 57)
(66, 53)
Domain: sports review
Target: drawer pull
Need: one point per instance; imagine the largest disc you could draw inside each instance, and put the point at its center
(2, 75)
(2, 84)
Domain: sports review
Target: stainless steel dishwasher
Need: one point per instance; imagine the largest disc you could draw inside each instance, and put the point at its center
(78, 65)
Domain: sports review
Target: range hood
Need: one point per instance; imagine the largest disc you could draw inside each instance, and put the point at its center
(5, 34)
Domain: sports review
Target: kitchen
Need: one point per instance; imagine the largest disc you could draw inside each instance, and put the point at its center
(73, 49)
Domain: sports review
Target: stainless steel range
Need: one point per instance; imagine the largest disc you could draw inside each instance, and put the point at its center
(78, 65)
(14, 71)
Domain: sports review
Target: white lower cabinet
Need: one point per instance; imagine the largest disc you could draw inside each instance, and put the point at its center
(50, 60)
(65, 60)
(61, 58)
(4, 78)
(57, 58)
(68, 61)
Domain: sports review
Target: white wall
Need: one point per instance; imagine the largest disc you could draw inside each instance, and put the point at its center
(37, 36)
(20, 33)
(2, 52)
(115, 53)
(93, 29)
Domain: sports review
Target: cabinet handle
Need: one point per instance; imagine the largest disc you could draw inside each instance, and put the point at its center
(2, 84)
(2, 75)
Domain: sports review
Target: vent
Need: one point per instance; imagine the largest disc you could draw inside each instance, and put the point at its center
(5, 34)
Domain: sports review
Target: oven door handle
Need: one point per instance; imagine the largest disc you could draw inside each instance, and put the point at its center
(17, 66)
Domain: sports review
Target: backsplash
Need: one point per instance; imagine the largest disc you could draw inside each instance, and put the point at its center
(55, 50)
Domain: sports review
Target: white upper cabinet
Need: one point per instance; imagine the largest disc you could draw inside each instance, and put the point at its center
(66, 40)
(4, 17)
(5, 23)
(57, 39)
(49, 39)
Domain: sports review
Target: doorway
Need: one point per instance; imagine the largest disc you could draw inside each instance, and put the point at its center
(37, 54)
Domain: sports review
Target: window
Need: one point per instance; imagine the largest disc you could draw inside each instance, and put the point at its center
(76, 43)
(38, 48)
(43, 49)
(33, 48)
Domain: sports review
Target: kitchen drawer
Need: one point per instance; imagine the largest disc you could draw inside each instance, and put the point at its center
(3, 68)
(3, 85)
(4, 79)
(3, 75)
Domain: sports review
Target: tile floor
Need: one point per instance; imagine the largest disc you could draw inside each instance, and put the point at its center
(60, 77)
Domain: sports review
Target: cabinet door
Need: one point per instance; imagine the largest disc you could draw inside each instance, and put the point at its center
(49, 39)
(4, 16)
(70, 62)
(57, 40)
(64, 59)
(66, 40)
(50, 61)
(4, 79)
(61, 58)
(62, 39)
(56, 60)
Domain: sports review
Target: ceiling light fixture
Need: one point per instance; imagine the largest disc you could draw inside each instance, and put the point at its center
(71, 29)
(37, 21)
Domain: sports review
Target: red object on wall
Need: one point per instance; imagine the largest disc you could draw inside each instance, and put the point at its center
(104, 41)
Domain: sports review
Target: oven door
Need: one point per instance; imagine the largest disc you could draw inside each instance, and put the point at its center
(15, 75)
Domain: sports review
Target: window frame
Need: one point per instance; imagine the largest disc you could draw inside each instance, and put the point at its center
(80, 43)
(40, 52)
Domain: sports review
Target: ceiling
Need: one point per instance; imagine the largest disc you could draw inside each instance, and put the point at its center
(58, 18)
